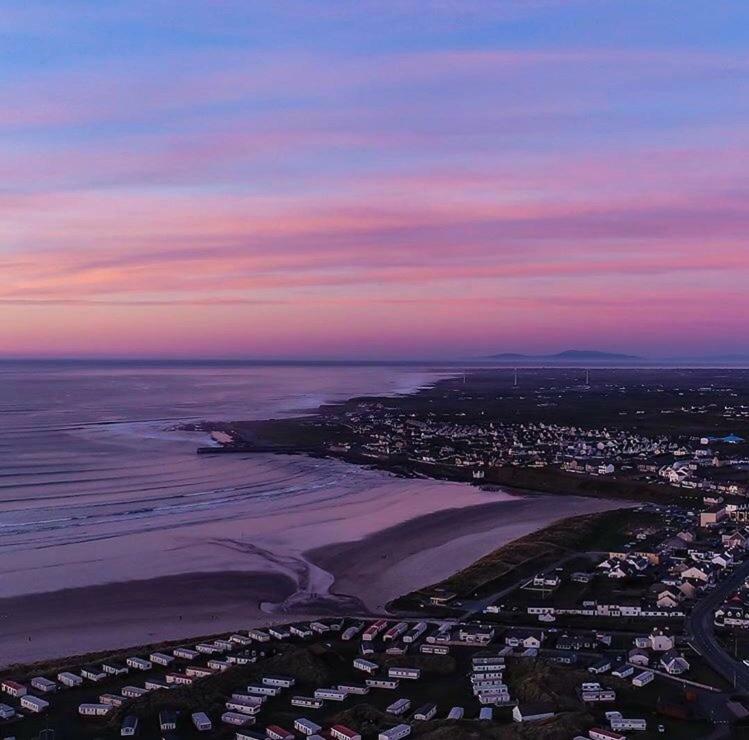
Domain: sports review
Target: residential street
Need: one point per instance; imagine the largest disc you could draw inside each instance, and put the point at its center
(701, 630)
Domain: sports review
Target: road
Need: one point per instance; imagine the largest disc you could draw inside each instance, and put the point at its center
(701, 630)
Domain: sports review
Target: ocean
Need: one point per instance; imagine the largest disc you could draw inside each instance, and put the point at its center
(93, 451)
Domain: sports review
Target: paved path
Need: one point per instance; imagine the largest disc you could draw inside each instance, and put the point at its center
(701, 629)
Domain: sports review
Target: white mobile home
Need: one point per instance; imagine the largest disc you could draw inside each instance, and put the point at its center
(69, 679)
(306, 726)
(202, 722)
(395, 733)
(34, 703)
(95, 710)
(43, 684)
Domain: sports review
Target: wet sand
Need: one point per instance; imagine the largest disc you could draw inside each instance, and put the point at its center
(308, 567)
(426, 550)
(111, 616)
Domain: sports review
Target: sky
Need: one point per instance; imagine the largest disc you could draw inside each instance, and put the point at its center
(373, 179)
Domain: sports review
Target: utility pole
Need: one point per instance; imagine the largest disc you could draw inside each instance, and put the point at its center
(515, 379)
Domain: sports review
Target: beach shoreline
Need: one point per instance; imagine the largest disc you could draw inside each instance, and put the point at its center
(362, 576)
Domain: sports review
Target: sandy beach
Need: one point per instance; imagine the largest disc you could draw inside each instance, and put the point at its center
(351, 552)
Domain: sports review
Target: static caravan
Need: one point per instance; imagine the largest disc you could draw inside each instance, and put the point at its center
(241, 640)
(259, 635)
(486, 713)
(114, 699)
(115, 669)
(642, 679)
(257, 689)
(399, 707)
(34, 703)
(13, 688)
(285, 682)
(383, 683)
(185, 653)
(43, 684)
(236, 719)
(140, 664)
(167, 719)
(426, 712)
(319, 627)
(202, 722)
(133, 692)
(95, 710)
(7, 712)
(373, 630)
(351, 632)
(155, 684)
(456, 713)
(395, 733)
(129, 726)
(415, 632)
(69, 679)
(306, 726)
(243, 706)
(161, 658)
(330, 694)
(301, 630)
(198, 671)
(310, 702)
(274, 732)
(179, 679)
(279, 633)
(341, 732)
(354, 688)
(395, 631)
(412, 674)
(362, 664)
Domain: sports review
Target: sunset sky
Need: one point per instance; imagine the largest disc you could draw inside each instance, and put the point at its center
(372, 179)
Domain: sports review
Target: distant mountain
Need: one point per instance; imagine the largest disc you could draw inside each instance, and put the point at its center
(575, 355)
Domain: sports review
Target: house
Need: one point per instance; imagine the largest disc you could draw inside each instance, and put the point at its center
(524, 638)
(533, 712)
(661, 640)
(673, 663)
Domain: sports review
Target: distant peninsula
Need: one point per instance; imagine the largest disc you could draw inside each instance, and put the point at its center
(570, 355)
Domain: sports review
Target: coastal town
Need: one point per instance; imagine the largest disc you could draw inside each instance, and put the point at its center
(635, 641)
(622, 433)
